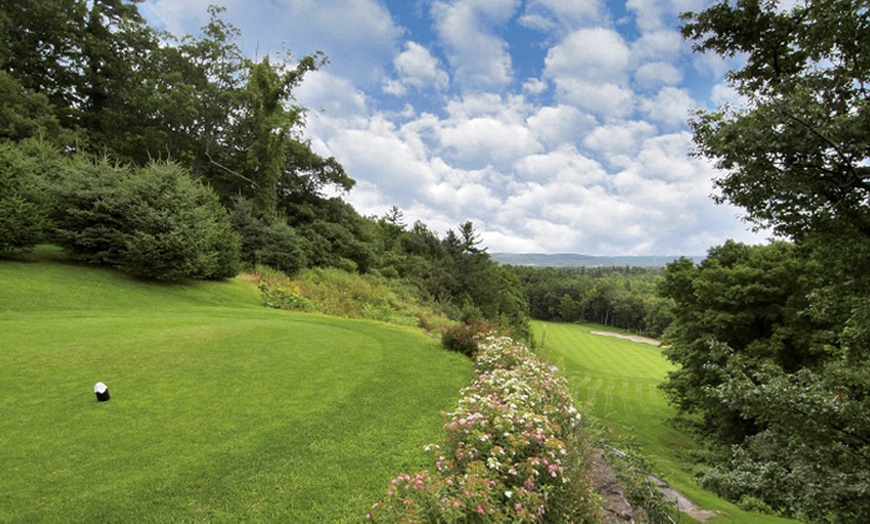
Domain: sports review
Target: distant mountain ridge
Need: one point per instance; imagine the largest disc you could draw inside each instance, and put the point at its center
(575, 260)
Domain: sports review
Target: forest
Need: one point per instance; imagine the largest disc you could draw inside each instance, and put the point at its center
(177, 158)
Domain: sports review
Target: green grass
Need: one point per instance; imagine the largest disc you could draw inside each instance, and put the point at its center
(221, 410)
(619, 378)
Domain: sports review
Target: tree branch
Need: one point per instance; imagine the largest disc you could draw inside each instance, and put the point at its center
(230, 171)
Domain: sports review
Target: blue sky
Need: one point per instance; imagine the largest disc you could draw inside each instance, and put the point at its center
(555, 126)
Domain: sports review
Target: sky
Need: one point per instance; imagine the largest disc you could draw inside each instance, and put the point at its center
(554, 126)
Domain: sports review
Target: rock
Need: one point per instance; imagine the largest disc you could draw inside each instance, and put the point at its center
(615, 507)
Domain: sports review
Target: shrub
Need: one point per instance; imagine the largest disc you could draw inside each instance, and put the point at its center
(513, 450)
(22, 223)
(24, 207)
(463, 336)
(155, 222)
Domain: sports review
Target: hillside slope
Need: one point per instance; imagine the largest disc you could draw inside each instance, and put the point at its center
(220, 409)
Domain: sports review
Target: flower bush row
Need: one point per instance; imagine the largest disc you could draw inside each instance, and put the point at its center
(512, 450)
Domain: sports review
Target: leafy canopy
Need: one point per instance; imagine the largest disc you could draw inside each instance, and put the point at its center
(773, 341)
(796, 153)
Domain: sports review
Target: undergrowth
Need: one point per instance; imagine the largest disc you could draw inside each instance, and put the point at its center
(336, 292)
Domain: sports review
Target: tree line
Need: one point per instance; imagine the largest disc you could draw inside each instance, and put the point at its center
(176, 158)
(621, 297)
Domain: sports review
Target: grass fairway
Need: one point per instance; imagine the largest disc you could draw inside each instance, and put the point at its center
(221, 410)
(620, 379)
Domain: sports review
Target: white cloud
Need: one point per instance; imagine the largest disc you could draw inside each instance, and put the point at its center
(381, 156)
(487, 141)
(535, 86)
(478, 55)
(509, 108)
(723, 94)
(416, 68)
(651, 15)
(617, 141)
(596, 55)
(550, 15)
(561, 165)
(670, 107)
(657, 74)
(658, 45)
(590, 71)
(560, 124)
(608, 101)
(330, 96)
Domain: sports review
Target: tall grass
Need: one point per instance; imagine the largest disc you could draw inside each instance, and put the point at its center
(221, 409)
(336, 292)
(619, 379)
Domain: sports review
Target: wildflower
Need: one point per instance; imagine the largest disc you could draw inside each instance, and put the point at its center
(479, 509)
(508, 493)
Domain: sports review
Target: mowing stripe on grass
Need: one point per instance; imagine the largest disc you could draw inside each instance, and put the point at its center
(221, 410)
(621, 380)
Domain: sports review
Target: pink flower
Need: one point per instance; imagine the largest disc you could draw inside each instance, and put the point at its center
(479, 509)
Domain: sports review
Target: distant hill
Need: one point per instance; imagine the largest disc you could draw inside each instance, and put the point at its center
(574, 260)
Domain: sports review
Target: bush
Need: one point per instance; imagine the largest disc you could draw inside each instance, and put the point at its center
(155, 222)
(22, 223)
(24, 207)
(513, 450)
(463, 336)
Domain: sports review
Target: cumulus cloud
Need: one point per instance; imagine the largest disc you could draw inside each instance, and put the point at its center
(590, 71)
(597, 55)
(556, 125)
(661, 45)
(487, 141)
(565, 164)
(651, 15)
(418, 69)
(325, 93)
(467, 29)
(621, 140)
(560, 15)
(657, 74)
(670, 107)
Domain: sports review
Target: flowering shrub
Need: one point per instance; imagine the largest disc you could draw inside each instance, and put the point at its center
(511, 452)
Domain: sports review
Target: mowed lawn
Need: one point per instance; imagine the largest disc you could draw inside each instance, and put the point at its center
(619, 379)
(221, 410)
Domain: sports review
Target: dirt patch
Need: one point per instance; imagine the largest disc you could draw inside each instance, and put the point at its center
(633, 338)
